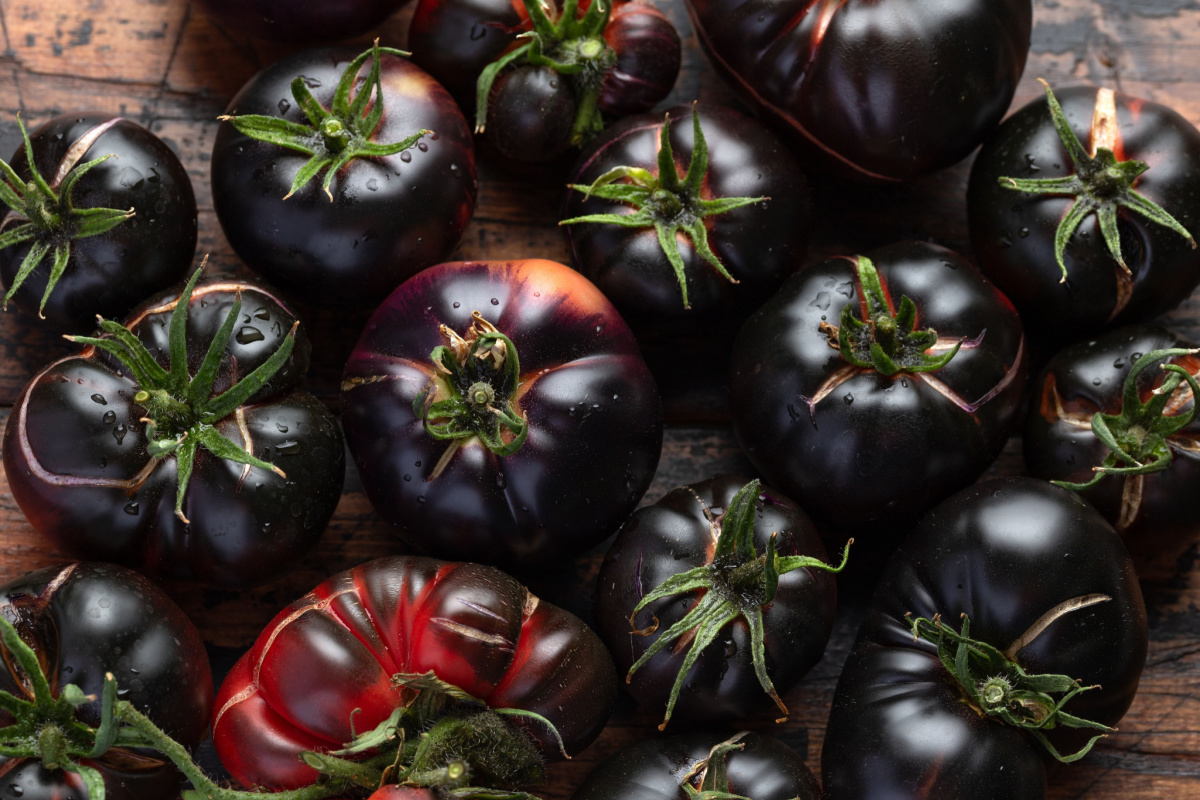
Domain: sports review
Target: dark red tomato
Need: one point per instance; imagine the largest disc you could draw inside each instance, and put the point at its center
(323, 669)
(1047, 585)
(98, 480)
(874, 431)
(679, 534)
(748, 765)
(300, 21)
(877, 90)
(83, 621)
(528, 437)
(455, 40)
(758, 244)
(1155, 512)
(1123, 151)
(384, 218)
(109, 272)
(403, 793)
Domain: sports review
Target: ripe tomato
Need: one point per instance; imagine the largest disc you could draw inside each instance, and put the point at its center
(1124, 381)
(323, 669)
(870, 393)
(743, 624)
(83, 621)
(676, 767)
(529, 434)
(1081, 210)
(878, 90)
(1054, 610)
(121, 453)
(396, 185)
(108, 261)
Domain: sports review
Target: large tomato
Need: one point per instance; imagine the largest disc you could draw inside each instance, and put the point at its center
(1045, 592)
(879, 90)
(300, 20)
(323, 669)
(501, 412)
(84, 621)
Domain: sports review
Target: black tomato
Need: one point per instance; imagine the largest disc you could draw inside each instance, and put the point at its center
(82, 621)
(870, 393)
(724, 195)
(399, 174)
(500, 412)
(1082, 210)
(610, 59)
(1045, 591)
(877, 90)
(300, 21)
(746, 765)
(368, 636)
(71, 248)
(732, 630)
(1124, 387)
(148, 447)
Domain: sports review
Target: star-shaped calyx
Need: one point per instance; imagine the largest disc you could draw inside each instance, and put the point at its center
(1101, 185)
(336, 136)
(737, 583)
(669, 204)
(46, 216)
(181, 413)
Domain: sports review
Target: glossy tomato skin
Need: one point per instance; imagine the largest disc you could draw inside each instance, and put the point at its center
(877, 451)
(760, 244)
(674, 535)
(87, 619)
(300, 21)
(655, 769)
(75, 454)
(530, 114)
(403, 793)
(649, 54)
(110, 273)
(1086, 378)
(875, 90)
(389, 218)
(1013, 233)
(595, 419)
(474, 626)
(899, 727)
(453, 40)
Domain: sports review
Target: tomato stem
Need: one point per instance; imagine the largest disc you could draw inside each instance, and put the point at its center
(711, 773)
(51, 221)
(736, 583)
(181, 406)
(334, 137)
(999, 687)
(1101, 184)
(673, 206)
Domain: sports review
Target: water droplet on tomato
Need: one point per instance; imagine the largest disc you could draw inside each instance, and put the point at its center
(495, 302)
(284, 106)
(457, 304)
(1119, 363)
(848, 399)
(1023, 233)
(406, 156)
(119, 433)
(288, 448)
(110, 417)
(99, 398)
(262, 313)
(281, 427)
(422, 147)
(407, 478)
(249, 335)
(373, 185)
(501, 481)
(478, 31)
(132, 509)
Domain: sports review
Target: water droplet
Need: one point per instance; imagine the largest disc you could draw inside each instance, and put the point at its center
(262, 313)
(1096, 381)
(421, 499)
(103, 462)
(119, 433)
(1134, 357)
(537, 294)
(417, 464)
(284, 106)
(501, 481)
(457, 304)
(311, 83)
(110, 417)
(478, 31)
(1119, 363)
(279, 426)
(131, 178)
(132, 509)
(1023, 233)
(249, 335)
(495, 302)
(15, 790)
(288, 448)
(422, 146)
(406, 156)
(407, 478)
(848, 399)
(99, 398)
(373, 185)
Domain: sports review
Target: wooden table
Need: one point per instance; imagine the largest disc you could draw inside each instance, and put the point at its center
(166, 66)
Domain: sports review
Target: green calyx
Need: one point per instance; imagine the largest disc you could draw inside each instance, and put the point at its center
(49, 219)
(1101, 185)
(709, 778)
(1137, 437)
(474, 392)
(884, 340)
(998, 687)
(335, 137)
(666, 202)
(181, 414)
(736, 583)
(571, 45)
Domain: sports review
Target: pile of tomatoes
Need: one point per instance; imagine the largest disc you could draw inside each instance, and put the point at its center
(506, 416)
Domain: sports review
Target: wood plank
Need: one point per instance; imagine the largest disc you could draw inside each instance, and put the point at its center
(166, 65)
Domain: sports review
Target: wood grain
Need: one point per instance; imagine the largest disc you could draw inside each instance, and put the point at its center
(165, 65)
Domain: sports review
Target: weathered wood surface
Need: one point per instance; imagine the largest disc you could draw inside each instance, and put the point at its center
(165, 65)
